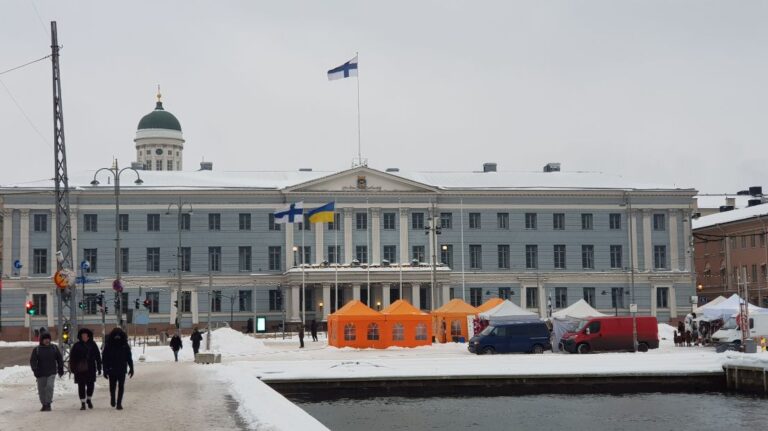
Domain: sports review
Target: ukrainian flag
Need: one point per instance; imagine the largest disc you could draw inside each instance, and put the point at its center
(323, 214)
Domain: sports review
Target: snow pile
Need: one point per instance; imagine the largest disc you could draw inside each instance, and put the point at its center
(666, 332)
(14, 374)
(759, 359)
(229, 342)
(18, 343)
(264, 408)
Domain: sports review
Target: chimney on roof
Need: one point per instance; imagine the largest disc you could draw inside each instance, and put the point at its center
(489, 167)
(206, 166)
(753, 202)
(305, 169)
(552, 167)
(724, 208)
(731, 202)
(756, 191)
(393, 169)
(138, 166)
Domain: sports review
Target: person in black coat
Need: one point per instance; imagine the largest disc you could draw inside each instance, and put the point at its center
(176, 345)
(85, 363)
(196, 338)
(46, 362)
(313, 329)
(117, 359)
(301, 335)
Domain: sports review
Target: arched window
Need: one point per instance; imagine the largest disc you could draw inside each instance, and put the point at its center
(373, 332)
(421, 331)
(455, 328)
(398, 332)
(349, 332)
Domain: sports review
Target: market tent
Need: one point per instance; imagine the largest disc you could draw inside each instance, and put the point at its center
(568, 320)
(727, 308)
(356, 325)
(487, 305)
(450, 320)
(507, 311)
(710, 304)
(406, 325)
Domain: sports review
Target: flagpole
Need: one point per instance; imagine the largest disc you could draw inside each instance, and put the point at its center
(336, 254)
(463, 284)
(368, 255)
(303, 284)
(359, 151)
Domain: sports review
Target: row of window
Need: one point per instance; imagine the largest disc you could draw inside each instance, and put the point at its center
(373, 333)
(559, 256)
(159, 164)
(560, 298)
(753, 240)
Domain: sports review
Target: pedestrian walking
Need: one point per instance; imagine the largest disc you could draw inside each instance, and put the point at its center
(313, 330)
(301, 335)
(117, 360)
(85, 364)
(196, 338)
(176, 345)
(46, 362)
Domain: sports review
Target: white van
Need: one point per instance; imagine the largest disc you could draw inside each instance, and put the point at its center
(731, 333)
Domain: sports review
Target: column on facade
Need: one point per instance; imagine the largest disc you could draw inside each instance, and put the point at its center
(672, 302)
(404, 226)
(674, 251)
(73, 235)
(7, 242)
(653, 300)
(647, 241)
(385, 295)
(24, 244)
(52, 254)
(356, 291)
(193, 302)
(633, 242)
(348, 252)
(319, 230)
(542, 291)
(295, 303)
(687, 240)
(289, 255)
(375, 235)
(523, 297)
(172, 312)
(326, 300)
(416, 295)
(52, 300)
(445, 290)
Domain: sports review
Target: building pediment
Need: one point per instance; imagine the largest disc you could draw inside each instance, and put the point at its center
(361, 179)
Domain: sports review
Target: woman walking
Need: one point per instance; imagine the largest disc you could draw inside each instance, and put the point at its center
(117, 358)
(85, 363)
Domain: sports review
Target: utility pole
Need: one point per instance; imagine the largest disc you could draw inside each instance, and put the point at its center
(210, 305)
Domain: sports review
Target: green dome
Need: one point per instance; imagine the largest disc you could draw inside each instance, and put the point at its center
(159, 119)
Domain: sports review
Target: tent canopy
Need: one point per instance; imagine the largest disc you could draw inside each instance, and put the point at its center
(401, 309)
(710, 304)
(578, 310)
(507, 311)
(357, 310)
(729, 307)
(455, 307)
(491, 303)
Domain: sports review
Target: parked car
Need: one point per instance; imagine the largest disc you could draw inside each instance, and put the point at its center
(612, 333)
(512, 337)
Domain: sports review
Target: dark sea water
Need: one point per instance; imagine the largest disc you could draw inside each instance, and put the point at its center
(678, 412)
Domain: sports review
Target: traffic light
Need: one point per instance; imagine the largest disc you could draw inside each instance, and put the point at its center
(106, 310)
(136, 303)
(31, 308)
(81, 305)
(65, 332)
(176, 304)
(147, 303)
(100, 299)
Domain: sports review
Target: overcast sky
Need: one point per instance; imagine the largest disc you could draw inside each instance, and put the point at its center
(664, 92)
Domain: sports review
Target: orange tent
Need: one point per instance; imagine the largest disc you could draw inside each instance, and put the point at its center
(450, 320)
(487, 305)
(407, 326)
(356, 325)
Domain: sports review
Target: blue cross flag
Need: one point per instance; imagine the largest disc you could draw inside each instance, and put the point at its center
(293, 213)
(344, 71)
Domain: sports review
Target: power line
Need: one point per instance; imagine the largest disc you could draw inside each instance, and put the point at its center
(39, 18)
(25, 114)
(25, 64)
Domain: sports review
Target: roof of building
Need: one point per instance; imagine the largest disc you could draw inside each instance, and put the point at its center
(159, 119)
(731, 216)
(705, 200)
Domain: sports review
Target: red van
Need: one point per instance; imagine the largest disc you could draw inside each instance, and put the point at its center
(612, 333)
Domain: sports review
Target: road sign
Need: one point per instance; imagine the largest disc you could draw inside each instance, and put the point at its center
(633, 308)
(17, 264)
(87, 280)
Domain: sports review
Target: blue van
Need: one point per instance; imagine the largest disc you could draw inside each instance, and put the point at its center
(512, 337)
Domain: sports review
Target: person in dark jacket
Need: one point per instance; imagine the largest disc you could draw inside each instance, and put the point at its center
(85, 363)
(313, 330)
(301, 335)
(176, 345)
(117, 358)
(46, 362)
(196, 338)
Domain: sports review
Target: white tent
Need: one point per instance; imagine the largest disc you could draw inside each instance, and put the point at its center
(507, 311)
(710, 304)
(728, 308)
(568, 319)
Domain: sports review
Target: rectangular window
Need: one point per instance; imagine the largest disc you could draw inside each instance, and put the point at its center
(586, 222)
(446, 220)
(589, 295)
(754, 274)
(244, 258)
(475, 296)
(503, 252)
(89, 301)
(617, 297)
(753, 240)
(558, 221)
(245, 221)
(41, 302)
(659, 222)
(474, 220)
(418, 253)
(561, 297)
(361, 221)
(214, 259)
(389, 221)
(336, 223)
(125, 259)
(40, 261)
(390, 253)
(531, 297)
(423, 298)
(91, 222)
(588, 256)
(153, 222)
(361, 253)
(123, 222)
(275, 257)
(662, 297)
(446, 255)
(186, 259)
(275, 300)
(185, 222)
(475, 257)
(334, 254)
(531, 256)
(186, 301)
(158, 165)
(304, 255)
(154, 301)
(309, 300)
(743, 242)
(559, 256)
(245, 300)
(505, 293)
(216, 301)
(305, 226)
(762, 240)
(614, 221)
(91, 255)
(169, 165)
(417, 221)
(530, 220)
(660, 256)
(153, 259)
(616, 258)
(41, 222)
(214, 221)
(272, 224)
(502, 220)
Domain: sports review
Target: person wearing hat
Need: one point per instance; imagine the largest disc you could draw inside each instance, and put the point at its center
(85, 363)
(46, 362)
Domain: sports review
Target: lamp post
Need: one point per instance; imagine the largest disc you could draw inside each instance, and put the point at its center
(303, 282)
(116, 172)
(180, 209)
(633, 305)
(433, 229)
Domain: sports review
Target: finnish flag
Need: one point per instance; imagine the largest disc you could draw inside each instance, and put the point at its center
(293, 213)
(344, 71)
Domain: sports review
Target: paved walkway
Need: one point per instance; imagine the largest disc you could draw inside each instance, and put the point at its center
(161, 396)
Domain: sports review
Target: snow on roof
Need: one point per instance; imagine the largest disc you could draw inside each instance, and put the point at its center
(730, 216)
(717, 200)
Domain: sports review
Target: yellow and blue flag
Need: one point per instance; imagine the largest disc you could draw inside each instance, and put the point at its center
(323, 214)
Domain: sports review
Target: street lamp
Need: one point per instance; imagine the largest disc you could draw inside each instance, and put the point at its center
(116, 172)
(433, 229)
(303, 282)
(615, 299)
(180, 209)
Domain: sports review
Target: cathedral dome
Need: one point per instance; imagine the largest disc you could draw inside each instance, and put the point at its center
(159, 119)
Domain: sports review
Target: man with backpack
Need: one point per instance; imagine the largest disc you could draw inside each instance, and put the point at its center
(46, 362)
